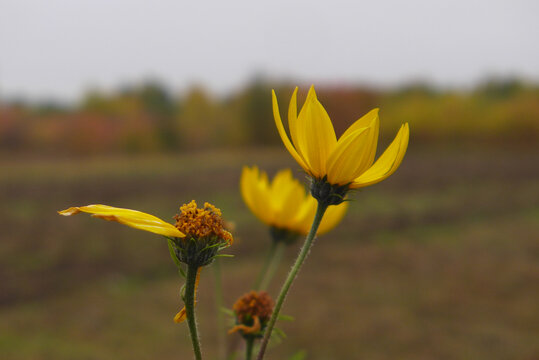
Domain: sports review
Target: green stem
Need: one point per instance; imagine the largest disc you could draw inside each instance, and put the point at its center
(273, 265)
(249, 348)
(190, 309)
(321, 209)
(267, 262)
(219, 301)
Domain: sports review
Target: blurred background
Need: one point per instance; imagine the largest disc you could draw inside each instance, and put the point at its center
(148, 105)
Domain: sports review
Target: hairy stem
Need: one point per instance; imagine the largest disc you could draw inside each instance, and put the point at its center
(219, 301)
(249, 342)
(321, 209)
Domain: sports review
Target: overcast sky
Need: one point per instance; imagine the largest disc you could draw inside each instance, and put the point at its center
(59, 48)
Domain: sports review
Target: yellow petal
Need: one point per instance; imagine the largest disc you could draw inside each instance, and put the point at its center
(245, 184)
(288, 194)
(372, 121)
(316, 136)
(293, 118)
(180, 316)
(350, 157)
(255, 190)
(366, 120)
(133, 218)
(388, 162)
(332, 217)
(305, 216)
(284, 136)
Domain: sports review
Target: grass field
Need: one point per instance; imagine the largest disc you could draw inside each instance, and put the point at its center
(441, 261)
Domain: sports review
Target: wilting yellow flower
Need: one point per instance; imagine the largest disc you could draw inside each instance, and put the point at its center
(283, 203)
(348, 161)
(136, 219)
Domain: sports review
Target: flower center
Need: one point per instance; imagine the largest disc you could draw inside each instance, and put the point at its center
(202, 223)
(254, 304)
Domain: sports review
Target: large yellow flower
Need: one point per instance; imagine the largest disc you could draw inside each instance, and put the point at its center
(283, 203)
(348, 161)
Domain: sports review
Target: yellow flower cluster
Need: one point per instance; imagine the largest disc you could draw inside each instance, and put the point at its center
(202, 223)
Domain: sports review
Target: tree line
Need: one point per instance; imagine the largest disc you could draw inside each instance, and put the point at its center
(150, 118)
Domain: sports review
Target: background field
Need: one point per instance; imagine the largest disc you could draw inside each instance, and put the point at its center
(150, 104)
(441, 261)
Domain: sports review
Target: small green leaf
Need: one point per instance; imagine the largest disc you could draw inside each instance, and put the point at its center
(300, 355)
(280, 332)
(285, 317)
(227, 311)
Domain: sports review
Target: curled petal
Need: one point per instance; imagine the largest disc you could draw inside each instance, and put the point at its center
(133, 218)
(253, 329)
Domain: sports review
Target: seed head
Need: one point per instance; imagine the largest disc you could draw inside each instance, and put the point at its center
(253, 311)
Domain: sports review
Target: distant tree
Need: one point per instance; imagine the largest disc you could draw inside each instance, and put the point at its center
(197, 120)
(498, 88)
(159, 104)
(256, 111)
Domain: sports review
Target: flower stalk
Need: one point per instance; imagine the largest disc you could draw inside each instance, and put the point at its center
(249, 348)
(190, 286)
(320, 210)
(273, 265)
(273, 258)
(219, 304)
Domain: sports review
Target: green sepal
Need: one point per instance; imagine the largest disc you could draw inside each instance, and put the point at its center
(181, 271)
(171, 249)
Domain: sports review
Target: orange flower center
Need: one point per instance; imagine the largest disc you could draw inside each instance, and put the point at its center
(201, 223)
(253, 305)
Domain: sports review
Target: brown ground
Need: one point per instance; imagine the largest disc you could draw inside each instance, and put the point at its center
(441, 261)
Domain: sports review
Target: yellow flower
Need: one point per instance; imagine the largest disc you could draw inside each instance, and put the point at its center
(348, 161)
(283, 203)
(133, 218)
(202, 232)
